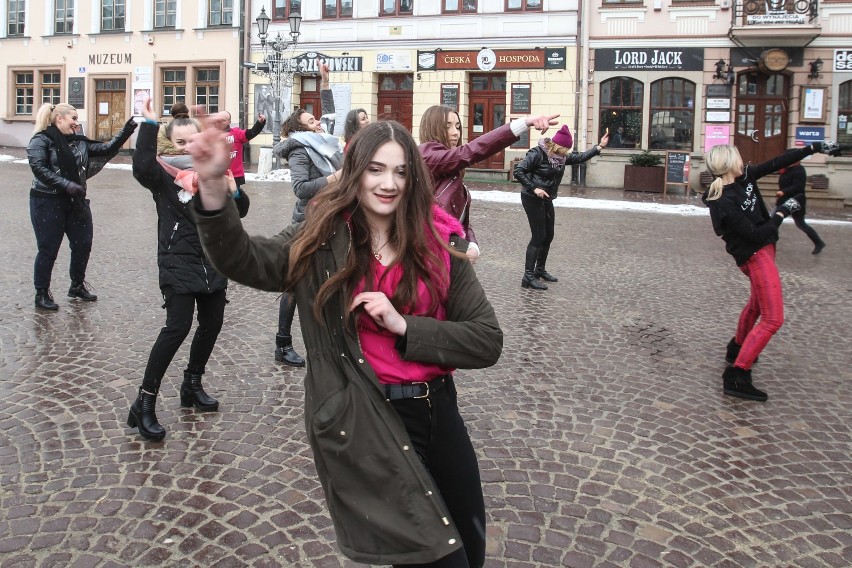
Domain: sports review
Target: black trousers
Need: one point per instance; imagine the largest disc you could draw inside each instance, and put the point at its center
(52, 219)
(440, 438)
(179, 312)
(799, 219)
(541, 219)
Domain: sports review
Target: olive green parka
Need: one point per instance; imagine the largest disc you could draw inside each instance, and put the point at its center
(383, 502)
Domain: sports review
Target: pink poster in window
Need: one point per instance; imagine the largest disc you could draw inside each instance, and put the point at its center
(715, 134)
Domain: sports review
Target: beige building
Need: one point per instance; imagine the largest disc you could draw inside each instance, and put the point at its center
(493, 60)
(105, 56)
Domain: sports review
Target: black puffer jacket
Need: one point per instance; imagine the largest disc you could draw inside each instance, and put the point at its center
(740, 216)
(535, 170)
(184, 268)
(44, 162)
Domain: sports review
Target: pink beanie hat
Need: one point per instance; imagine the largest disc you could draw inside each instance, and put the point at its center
(563, 137)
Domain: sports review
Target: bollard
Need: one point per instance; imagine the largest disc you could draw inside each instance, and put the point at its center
(264, 162)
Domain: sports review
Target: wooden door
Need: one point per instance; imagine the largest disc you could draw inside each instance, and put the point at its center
(761, 116)
(110, 107)
(309, 99)
(487, 103)
(396, 98)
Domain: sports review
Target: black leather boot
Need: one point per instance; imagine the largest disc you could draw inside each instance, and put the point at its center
(192, 393)
(81, 290)
(44, 300)
(540, 262)
(142, 416)
(818, 247)
(737, 382)
(284, 352)
(529, 280)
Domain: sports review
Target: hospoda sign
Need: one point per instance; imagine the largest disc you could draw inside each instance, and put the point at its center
(308, 63)
(488, 59)
(642, 59)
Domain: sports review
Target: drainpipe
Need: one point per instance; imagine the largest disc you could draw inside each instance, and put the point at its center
(578, 171)
(243, 109)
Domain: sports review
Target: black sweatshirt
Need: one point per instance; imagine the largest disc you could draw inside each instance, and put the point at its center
(740, 216)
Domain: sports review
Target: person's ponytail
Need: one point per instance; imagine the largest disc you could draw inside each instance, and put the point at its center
(47, 113)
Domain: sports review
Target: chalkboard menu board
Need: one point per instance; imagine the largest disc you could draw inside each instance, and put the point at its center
(450, 95)
(523, 142)
(521, 98)
(677, 168)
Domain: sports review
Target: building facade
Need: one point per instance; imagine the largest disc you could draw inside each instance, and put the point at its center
(675, 75)
(492, 60)
(105, 56)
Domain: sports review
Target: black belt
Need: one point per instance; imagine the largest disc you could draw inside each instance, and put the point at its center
(416, 390)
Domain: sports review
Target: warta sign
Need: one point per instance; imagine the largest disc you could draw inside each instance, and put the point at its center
(487, 59)
(641, 59)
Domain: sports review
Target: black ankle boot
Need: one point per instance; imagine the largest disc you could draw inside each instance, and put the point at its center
(81, 290)
(542, 273)
(737, 382)
(192, 393)
(284, 352)
(142, 416)
(733, 351)
(818, 248)
(44, 300)
(529, 281)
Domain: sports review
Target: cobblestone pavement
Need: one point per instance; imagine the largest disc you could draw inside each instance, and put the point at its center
(603, 435)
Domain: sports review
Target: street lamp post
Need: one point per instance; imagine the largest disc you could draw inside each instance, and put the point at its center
(277, 65)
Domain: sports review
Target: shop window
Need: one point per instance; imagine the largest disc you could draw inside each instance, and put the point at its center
(396, 7)
(221, 13)
(16, 16)
(459, 6)
(63, 17)
(621, 112)
(207, 88)
(165, 13)
(283, 8)
(844, 114)
(523, 5)
(24, 92)
(51, 87)
(334, 9)
(174, 89)
(112, 15)
(672, 114)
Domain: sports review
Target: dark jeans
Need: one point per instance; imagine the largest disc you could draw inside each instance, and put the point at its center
(540, 216)
(179, 311)
(799, 219)
(440, 438)
(52, 219)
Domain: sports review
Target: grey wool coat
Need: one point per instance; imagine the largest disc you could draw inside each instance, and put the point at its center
(383, 502)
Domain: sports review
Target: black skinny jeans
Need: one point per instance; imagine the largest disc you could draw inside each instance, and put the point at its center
(541, 218)
(179, 311)
(52, 219)
(799, 219)
(440, 438)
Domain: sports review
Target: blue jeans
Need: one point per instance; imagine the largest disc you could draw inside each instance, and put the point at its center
(53, 218)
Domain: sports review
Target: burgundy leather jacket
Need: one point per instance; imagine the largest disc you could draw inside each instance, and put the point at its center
(446, 165)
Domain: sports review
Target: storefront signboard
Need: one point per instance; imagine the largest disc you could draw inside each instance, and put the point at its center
(843, 60)
(718, 103)
(716, 134)
(393, 61)
(472, 60)
(450, 95)
(749, 56)
(808, 134)
(647, 59)
(521, 98)
(718, 90)
(718, 116)
(308, 63)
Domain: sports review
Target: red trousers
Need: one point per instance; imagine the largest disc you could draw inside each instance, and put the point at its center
(764, 304)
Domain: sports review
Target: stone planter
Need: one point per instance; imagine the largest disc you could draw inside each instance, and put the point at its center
(639, 178)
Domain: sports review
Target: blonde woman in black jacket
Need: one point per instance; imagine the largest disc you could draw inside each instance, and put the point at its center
(61, 161)
(540, 173)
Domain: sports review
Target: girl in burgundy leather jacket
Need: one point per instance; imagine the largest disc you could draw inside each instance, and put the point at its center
(447, 157)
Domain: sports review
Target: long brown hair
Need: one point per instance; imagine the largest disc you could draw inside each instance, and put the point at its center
(412, 234)
(433, 125)
(294, 123)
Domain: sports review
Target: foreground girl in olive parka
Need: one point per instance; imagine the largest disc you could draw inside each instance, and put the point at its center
(389, 310)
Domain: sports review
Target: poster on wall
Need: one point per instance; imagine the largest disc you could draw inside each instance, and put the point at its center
(813, 104)
(140, 95)
(716, 134)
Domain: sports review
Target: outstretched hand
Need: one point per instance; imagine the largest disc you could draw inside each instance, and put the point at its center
(148, 109)
(604, 141)
(323, 71)
(542, 123)
(211, 156)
